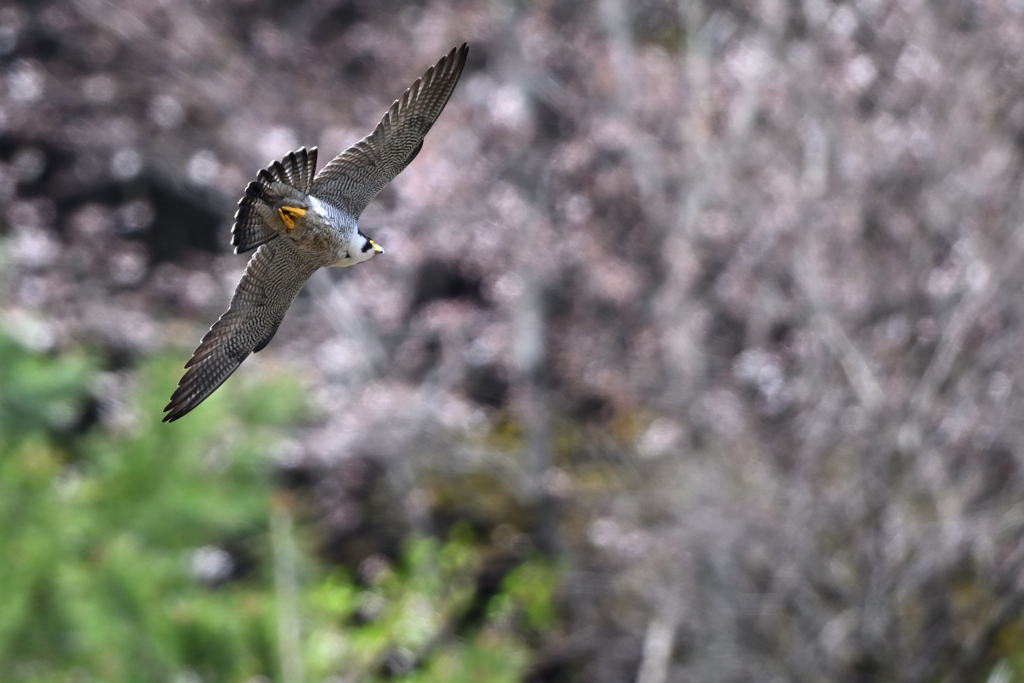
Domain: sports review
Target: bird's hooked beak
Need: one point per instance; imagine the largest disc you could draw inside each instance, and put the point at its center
(377, 249)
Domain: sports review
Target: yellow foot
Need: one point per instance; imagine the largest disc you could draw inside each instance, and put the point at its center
(289, 214)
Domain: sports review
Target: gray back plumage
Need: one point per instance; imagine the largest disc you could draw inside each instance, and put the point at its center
(295, 170)
(354, 177)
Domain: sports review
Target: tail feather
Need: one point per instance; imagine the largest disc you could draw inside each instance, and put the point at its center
(296, 170)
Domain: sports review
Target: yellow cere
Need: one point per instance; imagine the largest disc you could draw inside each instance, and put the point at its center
(289, 214)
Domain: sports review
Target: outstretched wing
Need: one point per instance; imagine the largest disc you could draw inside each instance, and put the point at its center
(354, 177)
(296, 170)
(274, 276)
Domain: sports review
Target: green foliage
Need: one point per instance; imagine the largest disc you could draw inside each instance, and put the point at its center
(409, 610)
(98, 531)
(485, 658)
(97, 536)
(528, 589)
(39, 393)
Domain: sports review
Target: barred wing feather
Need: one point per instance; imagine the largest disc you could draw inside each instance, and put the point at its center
(353, 178)
(274, 276)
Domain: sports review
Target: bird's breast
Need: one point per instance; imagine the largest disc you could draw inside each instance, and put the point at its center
(320, 246)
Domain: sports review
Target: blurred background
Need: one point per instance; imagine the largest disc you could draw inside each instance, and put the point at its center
(695, 354)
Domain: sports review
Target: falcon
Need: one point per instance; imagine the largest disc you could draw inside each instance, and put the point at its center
(301, 221)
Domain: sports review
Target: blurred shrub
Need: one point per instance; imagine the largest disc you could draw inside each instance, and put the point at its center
(102, 535)
(138, 553)
(39, 393)
(405, 624)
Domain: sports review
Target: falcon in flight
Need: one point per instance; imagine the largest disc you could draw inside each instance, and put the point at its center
(302, 222)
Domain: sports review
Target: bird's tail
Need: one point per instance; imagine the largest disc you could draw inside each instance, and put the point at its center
(295, 170)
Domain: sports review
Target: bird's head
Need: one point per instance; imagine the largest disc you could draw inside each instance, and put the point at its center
(360, 249)
(367, 249)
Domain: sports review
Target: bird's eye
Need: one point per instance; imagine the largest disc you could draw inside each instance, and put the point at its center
(367, 245)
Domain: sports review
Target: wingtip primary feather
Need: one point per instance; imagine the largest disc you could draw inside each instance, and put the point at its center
(353, 178)
(206, 371)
